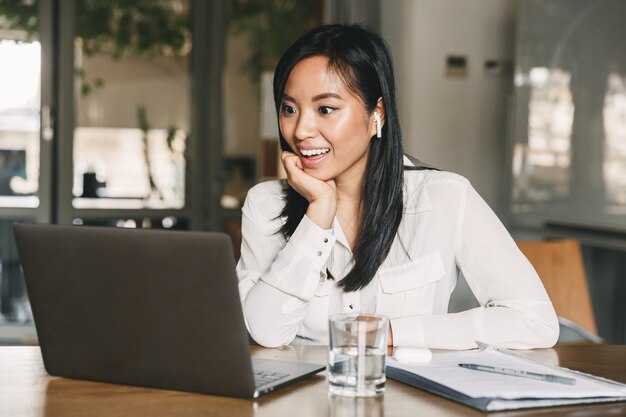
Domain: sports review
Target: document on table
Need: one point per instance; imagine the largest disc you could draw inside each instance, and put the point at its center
(489, 391)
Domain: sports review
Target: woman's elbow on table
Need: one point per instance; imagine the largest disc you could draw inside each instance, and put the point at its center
(262, 328)
(265, 336)
(549, 333)
(545, 330)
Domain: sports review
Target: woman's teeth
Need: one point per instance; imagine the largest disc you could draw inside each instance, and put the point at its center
(313, 152)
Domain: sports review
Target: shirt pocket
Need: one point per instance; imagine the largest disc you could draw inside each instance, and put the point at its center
(409, 289)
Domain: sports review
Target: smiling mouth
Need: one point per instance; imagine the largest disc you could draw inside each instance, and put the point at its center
(309, 153)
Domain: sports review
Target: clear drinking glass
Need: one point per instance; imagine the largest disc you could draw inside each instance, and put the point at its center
(339, 406)
(356, 356)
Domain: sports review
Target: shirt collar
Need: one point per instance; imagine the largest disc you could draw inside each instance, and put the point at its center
(416, 199)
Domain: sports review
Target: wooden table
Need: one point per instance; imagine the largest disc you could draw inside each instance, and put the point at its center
(27, 391)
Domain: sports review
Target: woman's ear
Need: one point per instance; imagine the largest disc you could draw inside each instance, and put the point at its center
(378, 116)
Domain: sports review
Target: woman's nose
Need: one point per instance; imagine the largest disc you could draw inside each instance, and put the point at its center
(305, 127)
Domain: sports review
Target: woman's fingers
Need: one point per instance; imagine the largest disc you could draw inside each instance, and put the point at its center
(321, 195)
(292, 165)
(289, 160)
(307, 185)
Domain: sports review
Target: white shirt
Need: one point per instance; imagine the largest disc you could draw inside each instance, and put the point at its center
(445, 226)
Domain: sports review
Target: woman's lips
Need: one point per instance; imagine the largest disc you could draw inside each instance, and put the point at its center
(313, 161)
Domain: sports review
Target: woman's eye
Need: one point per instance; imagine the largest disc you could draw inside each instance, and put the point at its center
(287, 109)
(326, 110)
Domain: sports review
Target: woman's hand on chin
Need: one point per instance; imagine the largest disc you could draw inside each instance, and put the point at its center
(321, 195)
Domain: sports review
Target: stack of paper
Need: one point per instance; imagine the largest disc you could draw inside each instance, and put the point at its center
(489, 391)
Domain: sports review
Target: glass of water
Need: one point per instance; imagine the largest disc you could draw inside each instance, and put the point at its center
(356, 356)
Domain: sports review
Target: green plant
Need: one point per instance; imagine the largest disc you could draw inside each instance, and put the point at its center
(20, 15)
(271, 26)
(137, 27)
(146, 28)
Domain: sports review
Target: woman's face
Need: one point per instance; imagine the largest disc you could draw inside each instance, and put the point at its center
(324, 122)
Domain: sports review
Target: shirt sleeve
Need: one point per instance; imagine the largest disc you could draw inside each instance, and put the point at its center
(515, 310)
(277, 279)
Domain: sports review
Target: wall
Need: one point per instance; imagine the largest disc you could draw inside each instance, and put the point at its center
(458, 124)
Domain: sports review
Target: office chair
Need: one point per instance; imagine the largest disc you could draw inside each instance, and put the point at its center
(560, 266)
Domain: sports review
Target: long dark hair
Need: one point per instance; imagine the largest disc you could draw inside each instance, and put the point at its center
(363, 62)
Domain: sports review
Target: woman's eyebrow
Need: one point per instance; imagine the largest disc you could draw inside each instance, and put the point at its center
(327, 95)
(315, 98)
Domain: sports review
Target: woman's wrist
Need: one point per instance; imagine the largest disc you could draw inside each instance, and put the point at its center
(322, 212)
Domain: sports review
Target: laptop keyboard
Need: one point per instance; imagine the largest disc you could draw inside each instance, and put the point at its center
(266, 377)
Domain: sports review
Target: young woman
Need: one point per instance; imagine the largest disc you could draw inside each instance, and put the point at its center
(359, 227)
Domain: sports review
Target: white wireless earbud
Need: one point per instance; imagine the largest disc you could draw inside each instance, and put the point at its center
(379, 125)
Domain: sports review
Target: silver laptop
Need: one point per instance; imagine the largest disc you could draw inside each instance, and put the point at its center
(142, 307)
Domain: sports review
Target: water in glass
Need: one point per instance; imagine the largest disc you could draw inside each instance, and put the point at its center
(344, 377)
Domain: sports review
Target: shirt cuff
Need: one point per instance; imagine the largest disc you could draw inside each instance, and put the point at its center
(300, 266)
(313, 241)
(407, 331)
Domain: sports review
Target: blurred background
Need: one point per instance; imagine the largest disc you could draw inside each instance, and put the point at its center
(159, 114)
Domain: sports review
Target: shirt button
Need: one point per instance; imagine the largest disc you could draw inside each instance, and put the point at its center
(325, 240)
(319, 253)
